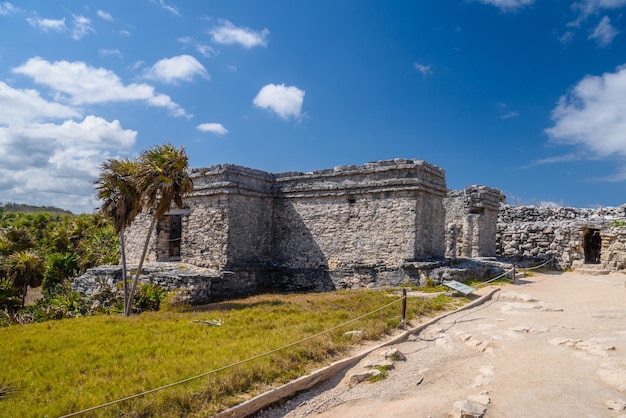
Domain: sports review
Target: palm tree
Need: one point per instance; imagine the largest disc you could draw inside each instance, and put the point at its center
(121, 201)
(162, 179)
(24, 269)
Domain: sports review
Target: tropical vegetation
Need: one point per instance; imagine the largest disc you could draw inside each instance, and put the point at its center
(47, 250)
(153, 182)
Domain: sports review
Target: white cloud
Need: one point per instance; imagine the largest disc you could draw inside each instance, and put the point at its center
(588, 7)
(285, 101)
(424, 69)
(216, 128)
(81, 27)
(593, 115)
(566, 37)
(106, 52)
(228, 34)
(170, 8)
(7, 8)
(22, 106)
(92, 131)
(508, 5)
(46, 162)
(56, 25)
(204, 50)
(175, 69)
(509, 115)
(55, 164)
(104, 15)
(78, 83)
(604, 32)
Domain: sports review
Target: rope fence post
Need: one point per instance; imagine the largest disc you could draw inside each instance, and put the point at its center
(513, 275)
(404, 309)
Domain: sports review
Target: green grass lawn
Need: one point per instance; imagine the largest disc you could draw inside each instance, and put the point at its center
(59, 367)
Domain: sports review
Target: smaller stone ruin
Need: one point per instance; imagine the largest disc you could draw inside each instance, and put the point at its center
(565, 235)
(471, 221)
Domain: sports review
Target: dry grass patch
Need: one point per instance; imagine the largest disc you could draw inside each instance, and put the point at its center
(59, 367)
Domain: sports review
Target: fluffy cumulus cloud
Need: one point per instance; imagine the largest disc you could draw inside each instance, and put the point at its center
(51, 149)
(227, 34)
(175, 69)
(24, 106)
(216, 128)
(508, 5)
(49, 153)
(286, 101)
(78, 83)
(593, 115)
(604, 33)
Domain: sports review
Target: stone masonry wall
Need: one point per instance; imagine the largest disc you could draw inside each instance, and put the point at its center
(559, 232)
(309, 230)
(471, 221)
(352, 221)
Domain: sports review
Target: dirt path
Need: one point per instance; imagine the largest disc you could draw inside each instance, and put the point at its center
(552, 346)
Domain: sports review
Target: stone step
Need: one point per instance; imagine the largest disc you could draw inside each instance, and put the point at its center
(592, 269)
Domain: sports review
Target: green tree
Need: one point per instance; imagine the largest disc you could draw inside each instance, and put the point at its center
(162, 180)
(121, 201)
(16, 239)
(24, 269)
(59, 267)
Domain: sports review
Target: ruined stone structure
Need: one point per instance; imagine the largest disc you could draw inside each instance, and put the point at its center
(379, 224)
(565, 234)
(350, 226)
(471, 221)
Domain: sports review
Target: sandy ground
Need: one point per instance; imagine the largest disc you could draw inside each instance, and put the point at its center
(554, 345)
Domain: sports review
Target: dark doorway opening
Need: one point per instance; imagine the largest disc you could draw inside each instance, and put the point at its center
(593, 245)
(175, 236)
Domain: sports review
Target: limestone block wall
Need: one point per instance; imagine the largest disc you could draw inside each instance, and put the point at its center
(308, 230)
(558, 232)
(471, 217)
(358, 224)
(386, 212)
(135, 236)
(613, 253)
(205, 232)
(230, 217)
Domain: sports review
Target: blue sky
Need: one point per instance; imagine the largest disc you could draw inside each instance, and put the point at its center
(527, 96)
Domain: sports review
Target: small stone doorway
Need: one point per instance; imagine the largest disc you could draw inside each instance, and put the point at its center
(175, 235)
(592, 245)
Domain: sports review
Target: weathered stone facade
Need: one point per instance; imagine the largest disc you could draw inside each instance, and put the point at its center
(345, 227)
(379, 224)
(563, 234)
(471, 221)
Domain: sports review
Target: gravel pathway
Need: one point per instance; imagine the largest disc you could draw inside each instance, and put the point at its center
(554, 345)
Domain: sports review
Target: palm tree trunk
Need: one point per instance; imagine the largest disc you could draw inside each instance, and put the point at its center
(139, 267)
(24, 294)
(124, 270)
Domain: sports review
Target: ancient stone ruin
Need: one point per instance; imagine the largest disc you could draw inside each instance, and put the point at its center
(384, 223)
(567, 235)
